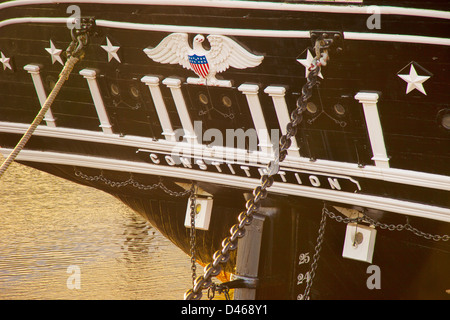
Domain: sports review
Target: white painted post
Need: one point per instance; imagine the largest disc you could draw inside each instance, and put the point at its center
(369, 101)
(90, 75)
(279, 101)
(251, 93)
(175, 87)
(34, 70)
(247, 258)
(153, 84)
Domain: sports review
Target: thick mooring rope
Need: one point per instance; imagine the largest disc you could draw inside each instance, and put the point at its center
(63, 76)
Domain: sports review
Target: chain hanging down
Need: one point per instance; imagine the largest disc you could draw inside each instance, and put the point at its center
(391, 227)
(193, 207)
(131, 182)
(260, 192)
(317, 249)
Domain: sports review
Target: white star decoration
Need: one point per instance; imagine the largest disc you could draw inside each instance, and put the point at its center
(307, 63)
(414, 81)
(55, 53)
(112, 50)
(5, 61)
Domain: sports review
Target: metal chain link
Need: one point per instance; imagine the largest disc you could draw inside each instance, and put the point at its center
(316, 255)
(260, 192)
(134, 183)
(346, 220)
(192, 199)
(390, 227)
(220, 289)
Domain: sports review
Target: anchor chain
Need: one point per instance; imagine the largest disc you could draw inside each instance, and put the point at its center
(220, 289)
(192, 198)
(316, 256)
(260, 192)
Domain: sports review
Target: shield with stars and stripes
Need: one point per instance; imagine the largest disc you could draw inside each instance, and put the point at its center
(199, 64)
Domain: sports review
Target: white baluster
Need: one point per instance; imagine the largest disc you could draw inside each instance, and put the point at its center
(161, 109)
(369, 101)
(34, 70)
(90, 75)
(281, 108)
(175, 87)
(251, 93)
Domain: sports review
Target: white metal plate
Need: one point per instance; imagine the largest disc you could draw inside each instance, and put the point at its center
(203, 217)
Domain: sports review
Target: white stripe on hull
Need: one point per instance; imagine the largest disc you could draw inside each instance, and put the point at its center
(348, 35)
(407, 177)
(375, 202)
(353, 8)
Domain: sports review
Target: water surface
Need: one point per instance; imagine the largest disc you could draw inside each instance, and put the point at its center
(50, 226)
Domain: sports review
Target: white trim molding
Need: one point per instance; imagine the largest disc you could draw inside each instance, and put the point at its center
(348, 35)
(254, 5)
(356, 199)
(369, 101)
(407, 177)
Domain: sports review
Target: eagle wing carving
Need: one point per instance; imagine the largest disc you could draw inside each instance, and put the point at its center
(226, 53)
(173, 49)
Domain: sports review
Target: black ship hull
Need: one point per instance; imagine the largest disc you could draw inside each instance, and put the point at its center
(373, 143)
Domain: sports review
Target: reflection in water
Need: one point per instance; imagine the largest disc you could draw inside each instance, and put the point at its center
(48, 224)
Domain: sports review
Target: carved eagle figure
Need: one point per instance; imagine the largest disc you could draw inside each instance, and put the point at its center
(224, 53)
